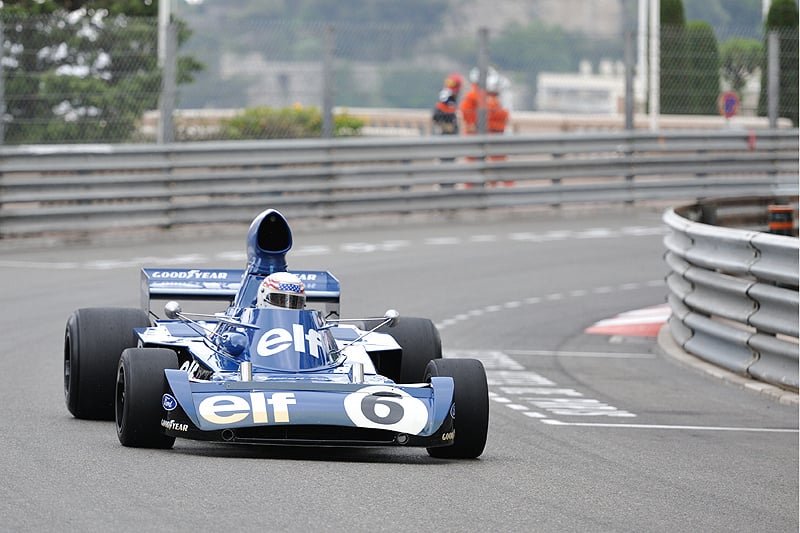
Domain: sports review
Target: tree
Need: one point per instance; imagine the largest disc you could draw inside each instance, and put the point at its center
(702, 68)
(673, 64)
(782, 19)
(80, 71)
(739, 60)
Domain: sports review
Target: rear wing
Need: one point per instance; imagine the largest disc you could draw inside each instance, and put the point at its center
(322, 288)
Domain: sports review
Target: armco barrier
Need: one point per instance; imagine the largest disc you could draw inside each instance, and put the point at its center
(734, 293)
(94, 188)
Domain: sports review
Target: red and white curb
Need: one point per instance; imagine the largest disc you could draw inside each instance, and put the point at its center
(644, 322)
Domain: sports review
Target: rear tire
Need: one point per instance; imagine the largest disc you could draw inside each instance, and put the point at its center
(471, 397)
(93, 342)
(420, 342)
(140, 386)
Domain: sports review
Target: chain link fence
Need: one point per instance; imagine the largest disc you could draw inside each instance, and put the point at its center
(77, 79)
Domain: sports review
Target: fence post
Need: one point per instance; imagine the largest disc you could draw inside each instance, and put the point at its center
(166, 106)
(2, 88)
(629, 101)
(655, 63)
(773, 81)
(483, 66)
(327, 83)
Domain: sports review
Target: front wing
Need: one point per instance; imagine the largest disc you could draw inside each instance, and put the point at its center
(303, 413)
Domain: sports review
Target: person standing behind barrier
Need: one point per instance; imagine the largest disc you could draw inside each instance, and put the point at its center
(471, 103)
(445, 113)
(496, 114)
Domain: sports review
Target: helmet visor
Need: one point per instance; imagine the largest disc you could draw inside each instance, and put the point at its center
(290, 301)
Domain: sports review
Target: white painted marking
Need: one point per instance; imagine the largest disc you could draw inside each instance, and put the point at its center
(579, 407)
(596, 233)
(442, 241)
(666, 426)
(236, 256)
(534, 414)
(37, 264)
(516, 377)
(308, 250)
(539, 391)
(524, 237)
(602, 290)
(597, 355)
(558, 235)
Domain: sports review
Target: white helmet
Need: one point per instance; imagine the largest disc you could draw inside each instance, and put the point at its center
(491, 74)
(281, 289)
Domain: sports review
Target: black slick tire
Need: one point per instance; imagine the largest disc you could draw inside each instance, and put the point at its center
(140, 386)
(472, 407)
(420, 342)
(93, 341)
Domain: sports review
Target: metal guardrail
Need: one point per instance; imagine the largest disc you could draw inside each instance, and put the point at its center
(734, 294)
(58, 189)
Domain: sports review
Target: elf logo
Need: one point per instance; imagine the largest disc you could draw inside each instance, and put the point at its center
(279, 339)
(230, 409)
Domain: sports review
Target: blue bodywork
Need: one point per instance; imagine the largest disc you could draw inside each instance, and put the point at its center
(278, 375)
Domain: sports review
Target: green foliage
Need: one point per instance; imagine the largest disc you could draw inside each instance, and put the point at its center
(86, 77)
(286, 123)
(703, 69)
(133, 8)
(671, 13)
(78, 79)
(673, 63)
(740, 59)
(782, 14)
(782, 18)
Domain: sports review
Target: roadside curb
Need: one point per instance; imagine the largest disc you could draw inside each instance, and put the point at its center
(667, 345)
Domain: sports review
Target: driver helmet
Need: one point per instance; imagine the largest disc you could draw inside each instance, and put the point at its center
(281, 289)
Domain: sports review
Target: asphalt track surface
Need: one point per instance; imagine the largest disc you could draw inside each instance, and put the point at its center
(587, 432)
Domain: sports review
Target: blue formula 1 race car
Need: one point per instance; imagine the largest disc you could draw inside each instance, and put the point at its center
(277, 366)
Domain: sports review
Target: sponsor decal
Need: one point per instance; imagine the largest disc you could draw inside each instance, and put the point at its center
(230, 409)
(176, 426)
(195, 371)
(279, 339)
(168, 402)
(306, 277)
(450, 435)
(188, 274)
(386, 407)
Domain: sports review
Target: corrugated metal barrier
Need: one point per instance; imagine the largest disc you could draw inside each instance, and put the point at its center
(734, 294)
(60, 189)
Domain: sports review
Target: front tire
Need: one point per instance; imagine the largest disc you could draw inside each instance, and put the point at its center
(471, 397)
(93, 341)
(419, 339)
(140, 385)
